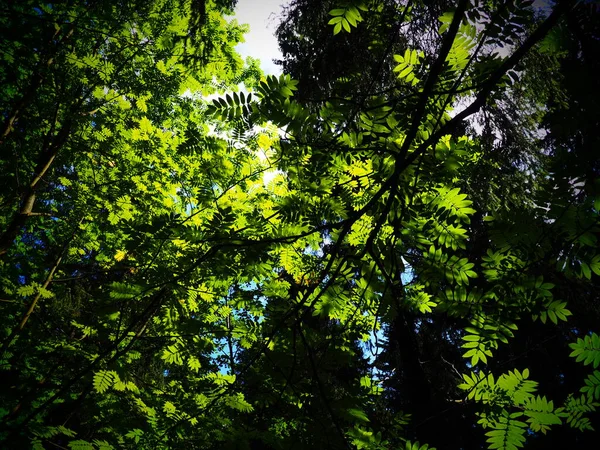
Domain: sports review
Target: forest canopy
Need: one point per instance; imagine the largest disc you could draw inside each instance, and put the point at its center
(391, 245)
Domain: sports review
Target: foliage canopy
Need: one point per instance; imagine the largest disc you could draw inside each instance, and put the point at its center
(394, 244)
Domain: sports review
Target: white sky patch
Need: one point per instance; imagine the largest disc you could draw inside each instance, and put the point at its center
(269, 175)
(261, 43)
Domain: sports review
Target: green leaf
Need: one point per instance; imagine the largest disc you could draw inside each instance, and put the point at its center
(104, 380)
(358, 414)
(81, 445)
(346, 25)
(404, 73)
(586, 271)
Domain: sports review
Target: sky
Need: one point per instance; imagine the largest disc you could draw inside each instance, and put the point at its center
(262, 16)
